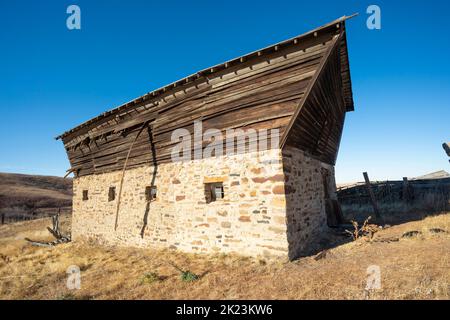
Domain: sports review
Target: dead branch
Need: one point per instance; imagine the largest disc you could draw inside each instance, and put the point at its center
(55, 232)
(321, 255)
(39, 243)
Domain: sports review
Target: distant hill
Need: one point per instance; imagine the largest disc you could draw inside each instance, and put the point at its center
(442, 174)
(31, 196)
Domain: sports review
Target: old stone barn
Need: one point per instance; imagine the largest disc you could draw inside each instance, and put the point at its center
(130, 190)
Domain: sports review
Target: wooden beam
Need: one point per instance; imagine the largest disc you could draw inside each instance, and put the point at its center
(372, 197)
(116, 223)
(69, 172)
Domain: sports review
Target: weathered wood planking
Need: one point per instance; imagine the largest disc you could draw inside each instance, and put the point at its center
(318, 127)
(262, 92)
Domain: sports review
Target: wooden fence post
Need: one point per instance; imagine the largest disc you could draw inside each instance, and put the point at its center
(405, 191)
(446, 147)
(372, 197)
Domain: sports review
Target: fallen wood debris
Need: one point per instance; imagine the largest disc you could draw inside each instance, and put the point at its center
(321, 255)
(55, 232)
(411, 234)
(47, 244)
(437, 230)
(386, 240)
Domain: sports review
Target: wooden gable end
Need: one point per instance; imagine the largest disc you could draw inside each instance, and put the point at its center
(317, 126)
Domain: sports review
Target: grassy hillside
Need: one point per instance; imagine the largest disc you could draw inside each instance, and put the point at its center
(413, 266)
(30, 195)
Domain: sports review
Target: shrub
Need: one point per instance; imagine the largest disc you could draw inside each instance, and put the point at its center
(188, 276)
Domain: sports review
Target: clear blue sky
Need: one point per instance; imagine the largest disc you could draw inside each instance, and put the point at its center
(53, 79)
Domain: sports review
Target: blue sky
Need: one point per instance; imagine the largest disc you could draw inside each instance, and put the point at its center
(53, 79)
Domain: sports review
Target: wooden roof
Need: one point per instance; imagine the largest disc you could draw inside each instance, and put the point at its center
(301, 86)
(208, 72)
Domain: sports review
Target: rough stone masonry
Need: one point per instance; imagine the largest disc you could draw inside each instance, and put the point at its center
(251, 219)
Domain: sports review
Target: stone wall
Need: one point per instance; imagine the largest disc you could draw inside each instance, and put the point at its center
(305, 200)
(249, 220)
(255, 217)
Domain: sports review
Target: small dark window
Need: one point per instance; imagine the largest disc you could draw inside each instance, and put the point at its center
(213, 191)
(85, 195)
(112, 194)
(150, 193)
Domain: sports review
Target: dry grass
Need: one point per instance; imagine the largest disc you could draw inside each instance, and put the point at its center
(415, 267)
